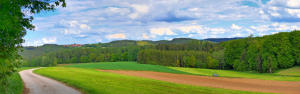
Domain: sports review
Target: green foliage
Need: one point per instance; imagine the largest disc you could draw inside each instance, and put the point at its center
(96, 82)
(14, 83)
(260, 54)
(295, 41)
(86, 54)
(263, 54)
(194, 53)
(84, 59)
(13, 25)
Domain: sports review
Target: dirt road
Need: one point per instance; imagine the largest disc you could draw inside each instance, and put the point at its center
(36, 84)
(283, 87)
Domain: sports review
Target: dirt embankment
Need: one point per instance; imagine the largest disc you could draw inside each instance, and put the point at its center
(257, 85)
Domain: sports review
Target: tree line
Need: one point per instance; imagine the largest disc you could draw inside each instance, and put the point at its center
(264, 54)
(196, 53)
(85, 55)
(261, 54)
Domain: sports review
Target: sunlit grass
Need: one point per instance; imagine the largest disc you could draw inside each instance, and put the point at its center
(126, 66)
(295, 71)
(237, 74)
(91, 81)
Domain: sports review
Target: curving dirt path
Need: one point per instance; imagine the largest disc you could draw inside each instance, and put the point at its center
(36, 84)
(257, 85)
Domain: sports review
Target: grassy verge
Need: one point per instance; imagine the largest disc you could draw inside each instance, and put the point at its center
(15, 84)
(229, 73)
(126, 66)
(91, 81)
(295, 71)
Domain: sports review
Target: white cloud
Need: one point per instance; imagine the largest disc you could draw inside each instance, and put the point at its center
(72, 31)
(193, 9)
(85, 26)
(235, 27)
(145, 36)
(40, 42)
(49, 40)
(293, 3)
(293, 12)
(275, 14)
(161, 31)
(73, 23)
(283, 10)
(116, 36)
(217, 30)
(193, 28)
(261, 28)
(121, 11)
(139, 10)
(133, 15)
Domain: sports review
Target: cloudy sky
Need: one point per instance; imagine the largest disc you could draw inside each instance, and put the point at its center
(93, 21)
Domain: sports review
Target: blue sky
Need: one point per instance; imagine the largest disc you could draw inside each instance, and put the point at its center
(93, 21)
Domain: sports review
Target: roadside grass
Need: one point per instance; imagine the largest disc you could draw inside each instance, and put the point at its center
(295, 71)
(237, 74)
(126, 66)
(15, 83)
(91, 81)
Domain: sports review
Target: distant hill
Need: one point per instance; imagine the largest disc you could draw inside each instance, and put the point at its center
(30, 52)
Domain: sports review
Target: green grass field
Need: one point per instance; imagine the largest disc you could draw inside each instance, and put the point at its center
(295, 71)
(15, 84)
(237, 74)
(126, 66)
(91, 81)
(284, 75)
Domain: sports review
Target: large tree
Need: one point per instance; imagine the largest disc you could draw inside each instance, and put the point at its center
(15, 19)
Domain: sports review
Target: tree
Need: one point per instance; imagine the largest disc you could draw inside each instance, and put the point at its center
(13, 26)
(74, 60)
(212, 63)
(84, 59)
(100, 58)
(92, 57)
(190, 61)
(295, 42)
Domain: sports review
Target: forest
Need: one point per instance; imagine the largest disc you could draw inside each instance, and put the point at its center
(260, 54)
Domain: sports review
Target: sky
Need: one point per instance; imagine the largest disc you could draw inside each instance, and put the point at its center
(94, 21)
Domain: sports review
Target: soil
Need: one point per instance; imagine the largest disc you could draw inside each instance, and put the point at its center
(244, 84)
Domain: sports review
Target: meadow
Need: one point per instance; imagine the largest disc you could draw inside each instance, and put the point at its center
(91, 81)
(284, 75)
(281, 75)
(295, 71)
(126, 66)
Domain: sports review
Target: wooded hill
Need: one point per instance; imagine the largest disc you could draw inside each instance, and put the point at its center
(261, 54)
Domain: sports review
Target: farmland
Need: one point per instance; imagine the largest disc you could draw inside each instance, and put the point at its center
(126, 66)
(149, 46)
(94, 82)
(280, 75)
(284, 75)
